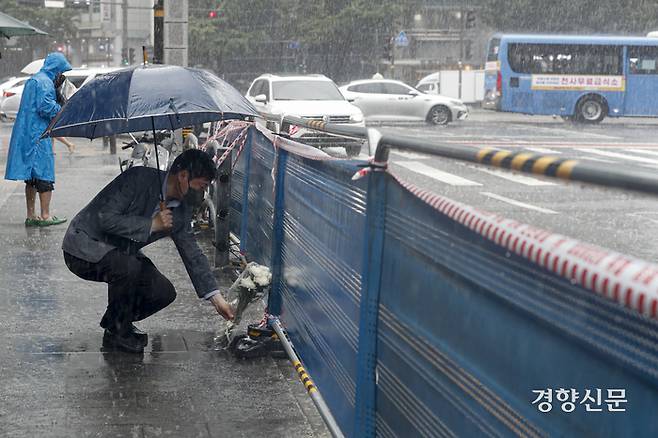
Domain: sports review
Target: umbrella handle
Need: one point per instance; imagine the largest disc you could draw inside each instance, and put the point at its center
(163, 206)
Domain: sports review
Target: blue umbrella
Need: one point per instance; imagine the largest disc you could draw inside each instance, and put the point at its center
(148, 97)
(143, 98)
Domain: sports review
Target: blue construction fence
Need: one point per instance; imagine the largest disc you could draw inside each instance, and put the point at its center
(416, 315)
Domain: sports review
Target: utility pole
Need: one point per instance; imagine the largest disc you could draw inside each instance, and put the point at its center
(158, 32)
(175, 32)
(462, 19)
(124, 25)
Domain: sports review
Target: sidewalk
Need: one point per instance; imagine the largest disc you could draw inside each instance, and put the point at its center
(55, 381)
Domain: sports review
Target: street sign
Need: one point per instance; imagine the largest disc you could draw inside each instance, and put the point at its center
(402, 40)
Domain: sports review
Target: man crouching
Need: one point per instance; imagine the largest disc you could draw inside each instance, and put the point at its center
(104, 241)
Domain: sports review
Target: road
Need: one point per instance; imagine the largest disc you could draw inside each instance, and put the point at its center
(617, 220)
(621, 221)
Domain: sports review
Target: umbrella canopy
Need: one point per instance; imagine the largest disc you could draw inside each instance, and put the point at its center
(152, 97)
(33, 67)
(10, 26)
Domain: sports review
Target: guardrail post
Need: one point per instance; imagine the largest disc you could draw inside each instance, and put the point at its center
(366, 390)
(244, 222)
(222, 204)
(110, 141)
(113, 144)
(274, 299)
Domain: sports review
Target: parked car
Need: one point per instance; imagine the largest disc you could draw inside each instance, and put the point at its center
(389, 100)
(312, 97)
(430, 84)
(78, 77)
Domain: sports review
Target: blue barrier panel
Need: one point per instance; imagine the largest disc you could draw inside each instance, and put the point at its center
(256, 227)
(323, 224)
(469, 329)
(240, 189)
(468, 319)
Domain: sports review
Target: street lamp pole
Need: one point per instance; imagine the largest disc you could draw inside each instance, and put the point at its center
(461, 50)
(124, 20)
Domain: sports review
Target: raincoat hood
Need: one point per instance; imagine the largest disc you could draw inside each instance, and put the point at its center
(54, 64)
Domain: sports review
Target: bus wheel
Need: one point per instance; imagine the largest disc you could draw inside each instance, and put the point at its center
(438, 115)
(591, 109)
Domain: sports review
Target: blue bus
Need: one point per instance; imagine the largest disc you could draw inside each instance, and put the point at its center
(584, 78)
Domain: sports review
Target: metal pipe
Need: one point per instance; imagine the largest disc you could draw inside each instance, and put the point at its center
(222, 202)
(600, 174)
(319, 402)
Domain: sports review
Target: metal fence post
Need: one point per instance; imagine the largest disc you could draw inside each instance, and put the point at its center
(366, 390)
(275, 300)
(222, 204)
(113, 145)
(244, 214)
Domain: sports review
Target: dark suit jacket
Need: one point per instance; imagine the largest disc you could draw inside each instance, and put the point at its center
(120, 217)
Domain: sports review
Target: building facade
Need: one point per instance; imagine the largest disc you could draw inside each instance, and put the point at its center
(438, 35)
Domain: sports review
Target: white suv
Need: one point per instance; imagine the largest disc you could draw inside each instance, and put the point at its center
(312, 97)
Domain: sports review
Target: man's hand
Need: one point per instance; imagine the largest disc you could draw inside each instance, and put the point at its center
(162, 221)
(223, 308)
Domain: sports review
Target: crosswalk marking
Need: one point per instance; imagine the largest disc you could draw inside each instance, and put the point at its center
(544, 150)
(518, 203)
(599, 160)
(444, 177)
(514, 177)
(643, 151)
(618, 155)
(411, 155)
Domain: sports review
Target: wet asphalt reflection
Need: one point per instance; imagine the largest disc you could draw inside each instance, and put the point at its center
(57, 380)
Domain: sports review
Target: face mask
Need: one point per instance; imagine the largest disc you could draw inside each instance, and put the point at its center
(193, 197)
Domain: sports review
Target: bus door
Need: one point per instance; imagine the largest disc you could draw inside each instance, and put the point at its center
(517, 95)
(641, 81)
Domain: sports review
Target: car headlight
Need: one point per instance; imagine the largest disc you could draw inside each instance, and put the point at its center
(356, 118)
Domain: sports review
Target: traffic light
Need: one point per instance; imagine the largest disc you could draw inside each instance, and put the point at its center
(470, 20)
(124, 56)
(212, 14)
(388, 49)
(131, 55)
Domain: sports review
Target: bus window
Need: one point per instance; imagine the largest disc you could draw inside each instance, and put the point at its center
(492, 52)
(642, 60)
(565, 59)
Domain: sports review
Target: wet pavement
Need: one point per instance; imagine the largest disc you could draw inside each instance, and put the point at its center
(55, 378)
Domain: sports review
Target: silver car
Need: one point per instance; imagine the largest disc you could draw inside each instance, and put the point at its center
(389, 100)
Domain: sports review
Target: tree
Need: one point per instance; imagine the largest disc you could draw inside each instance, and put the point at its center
(59, 23)
(566, 16)
(338, 38)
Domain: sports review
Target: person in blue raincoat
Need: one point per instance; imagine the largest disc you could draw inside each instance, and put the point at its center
(30, 157)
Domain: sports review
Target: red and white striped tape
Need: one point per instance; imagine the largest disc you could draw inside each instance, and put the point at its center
(629, 281)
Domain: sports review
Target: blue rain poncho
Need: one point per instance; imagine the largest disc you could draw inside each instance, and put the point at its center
(30, 157)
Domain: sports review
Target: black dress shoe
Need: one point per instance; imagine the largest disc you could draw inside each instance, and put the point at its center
(141, 335)
(123, 341)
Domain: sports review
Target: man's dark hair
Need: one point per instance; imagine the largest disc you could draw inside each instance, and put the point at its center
(197, 163)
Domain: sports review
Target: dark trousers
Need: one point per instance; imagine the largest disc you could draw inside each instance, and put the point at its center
(135, 287)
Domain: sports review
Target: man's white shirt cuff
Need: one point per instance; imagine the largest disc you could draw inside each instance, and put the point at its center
(211, 294)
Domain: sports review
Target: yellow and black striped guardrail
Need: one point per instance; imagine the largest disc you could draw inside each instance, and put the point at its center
(601, 174)
(304, 377)
(312, 390)
(546, 165)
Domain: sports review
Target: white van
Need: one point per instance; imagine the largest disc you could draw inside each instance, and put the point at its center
(430, 84)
